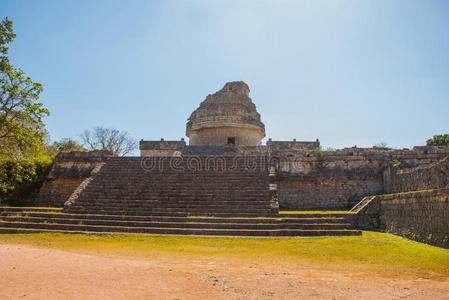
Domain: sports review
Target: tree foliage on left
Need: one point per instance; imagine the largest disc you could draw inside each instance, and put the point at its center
(20, 179)
(24, 161)
(22, 130)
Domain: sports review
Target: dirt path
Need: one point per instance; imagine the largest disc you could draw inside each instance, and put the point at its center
(34, 273)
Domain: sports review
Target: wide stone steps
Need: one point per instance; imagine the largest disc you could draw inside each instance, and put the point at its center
(18, 227)
(347, 215)
(166, 212)
(161, 209)
(154, 218)
(170, 202)
(12, 209)
(16, 220)
(169, 206)
(176, 185)
(189, 224)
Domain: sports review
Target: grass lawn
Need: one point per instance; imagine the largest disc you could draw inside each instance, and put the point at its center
(377, 252)
(305, 212)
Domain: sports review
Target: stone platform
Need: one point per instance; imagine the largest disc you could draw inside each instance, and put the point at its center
(195, 185)
(47, 220)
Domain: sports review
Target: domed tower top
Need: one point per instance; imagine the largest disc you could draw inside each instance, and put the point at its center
(226, 117)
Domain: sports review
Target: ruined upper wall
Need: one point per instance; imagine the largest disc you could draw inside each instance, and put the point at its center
(305, 161)
(161, 148)
(291, 147)
(339, 179)
(423, 177)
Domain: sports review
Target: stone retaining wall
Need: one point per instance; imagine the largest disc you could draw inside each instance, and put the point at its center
(422, 216)
(325, 191)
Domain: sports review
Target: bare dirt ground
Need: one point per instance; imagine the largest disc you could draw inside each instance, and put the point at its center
(39, 273)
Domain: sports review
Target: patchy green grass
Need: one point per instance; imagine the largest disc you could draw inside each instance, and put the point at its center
(372, 251)
(306, 212)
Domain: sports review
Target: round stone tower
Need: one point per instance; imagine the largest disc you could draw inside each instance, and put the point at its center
(226, 117)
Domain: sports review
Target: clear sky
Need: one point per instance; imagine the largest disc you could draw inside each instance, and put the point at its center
(347, 72)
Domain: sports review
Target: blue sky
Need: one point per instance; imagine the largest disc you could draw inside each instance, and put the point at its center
(346, 72)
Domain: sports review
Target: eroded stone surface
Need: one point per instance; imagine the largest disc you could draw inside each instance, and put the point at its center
(69, 170)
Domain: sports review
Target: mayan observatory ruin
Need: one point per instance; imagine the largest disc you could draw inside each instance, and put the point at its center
(223, 180)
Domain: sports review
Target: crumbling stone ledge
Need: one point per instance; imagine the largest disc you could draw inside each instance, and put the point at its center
(68, 171)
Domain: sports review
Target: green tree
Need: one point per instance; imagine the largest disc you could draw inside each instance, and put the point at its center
(67, 144)
(24, 163)
(439, 140)
(20, 179)
(21, 115)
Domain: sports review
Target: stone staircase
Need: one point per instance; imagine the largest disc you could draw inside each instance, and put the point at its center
(47, 220)
(194, 185)
(189, 195)
(362, 203)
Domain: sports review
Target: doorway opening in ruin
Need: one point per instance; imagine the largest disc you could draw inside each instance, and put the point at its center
(231, 140)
